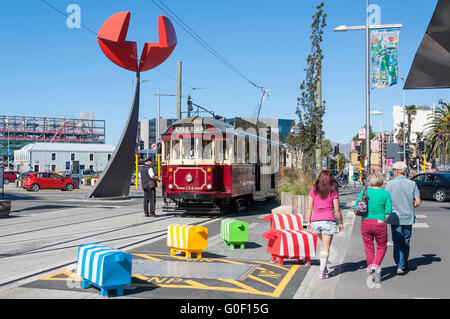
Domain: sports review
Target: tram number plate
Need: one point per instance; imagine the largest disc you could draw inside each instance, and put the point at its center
(189, 188)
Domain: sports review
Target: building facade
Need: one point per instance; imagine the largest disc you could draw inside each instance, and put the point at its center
(18, 131)
(418, 123)
(59, 157)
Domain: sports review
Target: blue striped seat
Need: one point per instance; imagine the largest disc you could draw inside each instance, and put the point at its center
(104, 267)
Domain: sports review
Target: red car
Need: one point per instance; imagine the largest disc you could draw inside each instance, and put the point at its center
(46, 180)
(9, 177)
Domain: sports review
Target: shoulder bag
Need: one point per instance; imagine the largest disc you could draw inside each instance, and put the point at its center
(362, 207)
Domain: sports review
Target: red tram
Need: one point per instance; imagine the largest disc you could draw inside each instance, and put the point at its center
(208, 163)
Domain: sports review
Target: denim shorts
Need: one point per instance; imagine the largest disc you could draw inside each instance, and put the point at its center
(324, 227)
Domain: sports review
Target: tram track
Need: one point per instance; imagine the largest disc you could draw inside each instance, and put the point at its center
(150, 236)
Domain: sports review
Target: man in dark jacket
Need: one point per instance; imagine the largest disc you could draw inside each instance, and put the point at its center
(148, 183)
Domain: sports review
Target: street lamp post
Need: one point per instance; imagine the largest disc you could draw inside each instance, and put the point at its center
(367, 27)
(377, 113)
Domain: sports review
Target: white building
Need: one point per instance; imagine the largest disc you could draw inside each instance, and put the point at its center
(58, 157)
(419, 120)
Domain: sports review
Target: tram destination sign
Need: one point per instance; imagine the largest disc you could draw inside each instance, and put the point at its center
(189, 128)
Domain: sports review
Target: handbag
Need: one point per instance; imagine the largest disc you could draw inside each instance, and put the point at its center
(362, 207)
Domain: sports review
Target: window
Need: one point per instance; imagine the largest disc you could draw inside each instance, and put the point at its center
(176, 149)
(53, 156)
(167, 150)
(109, 157)
(53, 168)
(72, 157)
(91, 157)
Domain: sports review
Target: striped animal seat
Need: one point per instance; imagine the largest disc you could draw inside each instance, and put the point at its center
(187, 238)
(285, 221)
(291, 244)
(104, 267)
(288, 240)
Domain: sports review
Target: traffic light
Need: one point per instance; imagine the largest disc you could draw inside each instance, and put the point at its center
(421, 147)
(336, 150)
(141, 144)
(358, 149)
(159, 147)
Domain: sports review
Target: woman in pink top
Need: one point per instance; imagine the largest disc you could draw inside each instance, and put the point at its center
(321, 220)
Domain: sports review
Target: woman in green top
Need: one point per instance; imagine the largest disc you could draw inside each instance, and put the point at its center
(374, 226)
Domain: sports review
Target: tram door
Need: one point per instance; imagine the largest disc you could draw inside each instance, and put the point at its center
(257, 177)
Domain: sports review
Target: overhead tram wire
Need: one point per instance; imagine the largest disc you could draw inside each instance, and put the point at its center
(203, 43)
(96, 36)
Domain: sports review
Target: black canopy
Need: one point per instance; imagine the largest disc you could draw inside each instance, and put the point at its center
(431, 65)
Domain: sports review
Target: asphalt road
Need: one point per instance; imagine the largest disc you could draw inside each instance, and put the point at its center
(41, 237)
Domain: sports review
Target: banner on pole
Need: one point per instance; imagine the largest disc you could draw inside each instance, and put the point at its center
(384, 43)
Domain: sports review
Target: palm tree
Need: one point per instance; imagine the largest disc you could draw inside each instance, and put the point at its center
(410, 111)
(438, 135)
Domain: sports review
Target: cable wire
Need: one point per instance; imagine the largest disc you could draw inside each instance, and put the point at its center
(203, 43)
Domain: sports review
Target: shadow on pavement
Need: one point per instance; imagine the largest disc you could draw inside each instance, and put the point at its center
(426, 259)
(348, 267)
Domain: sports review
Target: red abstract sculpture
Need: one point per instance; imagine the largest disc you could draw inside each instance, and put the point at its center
(112, 41)
(115, 180)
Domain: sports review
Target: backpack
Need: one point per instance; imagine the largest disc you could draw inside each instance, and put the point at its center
(362, 207)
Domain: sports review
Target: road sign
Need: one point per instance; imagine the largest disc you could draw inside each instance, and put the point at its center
(362, 133)
(154, 146)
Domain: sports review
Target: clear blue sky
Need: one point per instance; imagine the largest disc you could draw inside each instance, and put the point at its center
(51, 70)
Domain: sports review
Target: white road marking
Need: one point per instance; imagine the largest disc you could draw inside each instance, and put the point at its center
(420, 225)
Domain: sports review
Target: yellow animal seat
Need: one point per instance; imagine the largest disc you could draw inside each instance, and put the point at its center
(187, 239)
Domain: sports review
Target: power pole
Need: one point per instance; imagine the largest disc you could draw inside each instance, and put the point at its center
(179, 90)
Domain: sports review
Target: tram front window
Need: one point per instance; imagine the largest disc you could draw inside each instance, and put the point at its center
(176, 149)
(189, 148)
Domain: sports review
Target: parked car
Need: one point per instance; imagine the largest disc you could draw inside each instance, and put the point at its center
(22, 177)
(46, 180)
(434, 185)
(9, 177)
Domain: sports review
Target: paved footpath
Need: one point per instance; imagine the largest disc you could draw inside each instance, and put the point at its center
(429, 262)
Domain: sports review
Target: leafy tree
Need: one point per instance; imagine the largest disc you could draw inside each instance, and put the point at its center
(438, 135)
(309, 109)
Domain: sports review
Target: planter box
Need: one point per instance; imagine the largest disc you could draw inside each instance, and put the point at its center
(299, 203)
(5, 207)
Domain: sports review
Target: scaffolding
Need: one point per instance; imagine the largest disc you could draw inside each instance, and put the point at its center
(18, 131)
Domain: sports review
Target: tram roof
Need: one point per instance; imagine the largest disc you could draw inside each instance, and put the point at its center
(221, 126)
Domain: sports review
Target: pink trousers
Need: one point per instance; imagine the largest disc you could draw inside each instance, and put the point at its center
(373, 230)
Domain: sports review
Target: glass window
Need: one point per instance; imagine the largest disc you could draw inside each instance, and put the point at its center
(207, 149)
(429, 178)
(91, 157)
(419, 178)
(167, 150)
(53, 156)
(188, 148)
(176, 147)
(72, 157)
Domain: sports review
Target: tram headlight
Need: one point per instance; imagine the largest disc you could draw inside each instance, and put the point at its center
(170, 186)
(189, 178)
(208, 186)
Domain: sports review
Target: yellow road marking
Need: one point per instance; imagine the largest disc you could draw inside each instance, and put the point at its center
(285, 281)
(263, 281)
(171, 282)
(148, 257)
